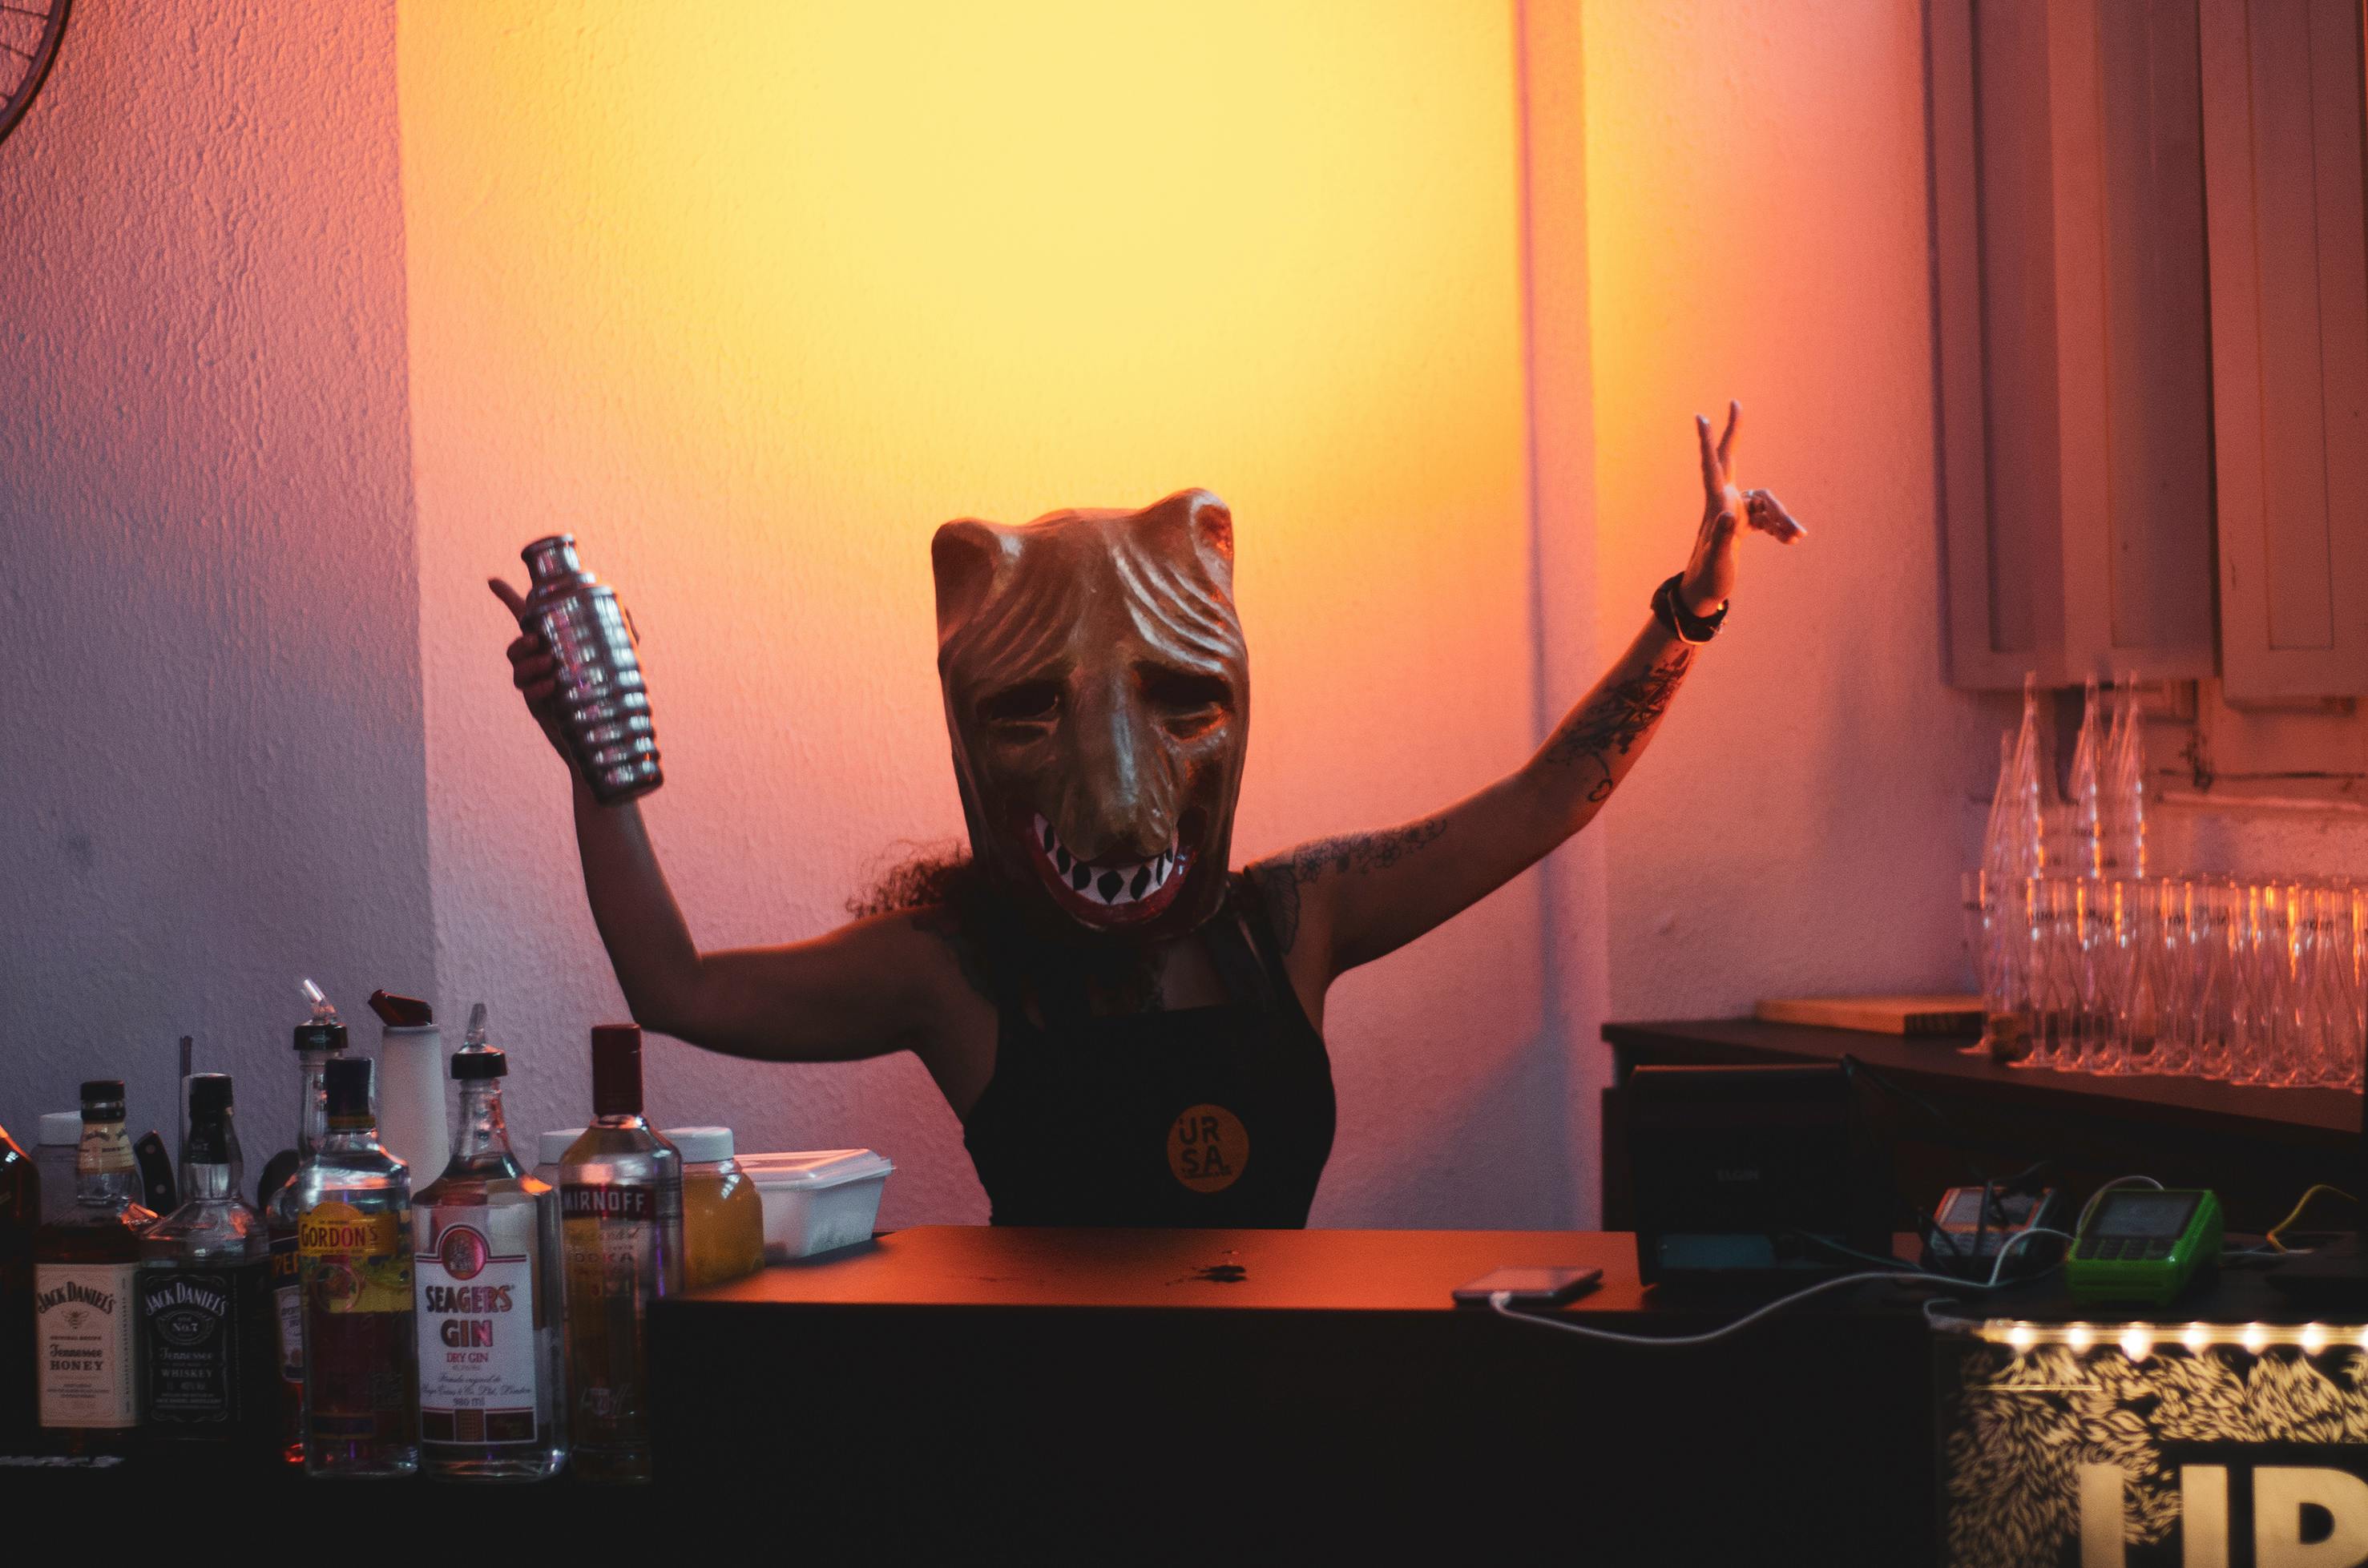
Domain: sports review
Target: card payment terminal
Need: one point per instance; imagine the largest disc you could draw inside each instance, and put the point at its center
(2142, 1244)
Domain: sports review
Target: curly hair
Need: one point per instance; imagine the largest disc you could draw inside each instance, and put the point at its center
(939, 875)
(1003, 944)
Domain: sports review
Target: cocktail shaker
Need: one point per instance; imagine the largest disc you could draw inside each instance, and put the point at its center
(604, 710)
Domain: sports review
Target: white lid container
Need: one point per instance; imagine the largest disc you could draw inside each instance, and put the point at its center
(817, 1201)
(700, 1145)
(62, 1127)
(551, 1147)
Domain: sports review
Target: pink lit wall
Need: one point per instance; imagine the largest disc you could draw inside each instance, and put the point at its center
(211, 773)
(1756, 228)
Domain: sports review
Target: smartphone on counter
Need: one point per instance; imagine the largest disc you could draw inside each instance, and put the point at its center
(1529, 1287)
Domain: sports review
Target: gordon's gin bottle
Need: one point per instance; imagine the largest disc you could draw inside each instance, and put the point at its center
(353, 1248)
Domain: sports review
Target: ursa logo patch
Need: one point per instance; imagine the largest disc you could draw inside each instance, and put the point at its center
(1208, 1148)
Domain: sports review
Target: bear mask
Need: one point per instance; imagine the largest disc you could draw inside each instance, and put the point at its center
(1096, 690)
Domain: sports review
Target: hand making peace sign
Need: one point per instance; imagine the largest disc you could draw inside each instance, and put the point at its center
(1709, 571)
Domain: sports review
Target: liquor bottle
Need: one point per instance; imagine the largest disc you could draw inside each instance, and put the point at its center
(353, 1248)
(84, 1256)
(484, 1235)
(620, 1208)
(21, 1213)
(206, 1316)
(319, 1040)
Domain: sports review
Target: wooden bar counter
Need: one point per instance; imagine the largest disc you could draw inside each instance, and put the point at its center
(1251, 1395)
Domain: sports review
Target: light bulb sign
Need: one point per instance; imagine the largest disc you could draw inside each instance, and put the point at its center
(2128, 1446)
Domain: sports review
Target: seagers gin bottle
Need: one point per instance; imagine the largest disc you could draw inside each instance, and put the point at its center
(604, 708)
(353, 1249)
(319, 1040)
(620, 1206)
(485, 1233)
(85, 1256)
(206, 1319)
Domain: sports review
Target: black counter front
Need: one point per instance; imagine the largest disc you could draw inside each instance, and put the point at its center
(1234, 1396)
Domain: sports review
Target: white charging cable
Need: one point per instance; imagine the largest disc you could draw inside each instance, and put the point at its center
(1501, 1302)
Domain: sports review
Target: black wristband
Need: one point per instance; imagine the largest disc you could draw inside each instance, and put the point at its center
(1670, 609)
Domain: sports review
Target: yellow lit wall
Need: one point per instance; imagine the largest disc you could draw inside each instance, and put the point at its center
(750, 297)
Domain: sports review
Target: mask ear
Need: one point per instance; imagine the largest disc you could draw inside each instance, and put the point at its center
(967, 557)
(1205, 520)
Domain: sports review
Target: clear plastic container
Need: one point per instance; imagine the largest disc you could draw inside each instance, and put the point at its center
(722, 1220)
(818, 1201)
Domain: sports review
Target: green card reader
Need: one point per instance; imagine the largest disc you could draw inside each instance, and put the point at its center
(2141, 1244)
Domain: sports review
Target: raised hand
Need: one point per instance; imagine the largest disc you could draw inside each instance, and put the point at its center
(535, 673)
(1709, 579)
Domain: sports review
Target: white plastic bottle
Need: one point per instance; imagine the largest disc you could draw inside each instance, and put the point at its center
(411, 1122)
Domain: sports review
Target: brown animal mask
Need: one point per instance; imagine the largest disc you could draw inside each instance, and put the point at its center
(1098, 692)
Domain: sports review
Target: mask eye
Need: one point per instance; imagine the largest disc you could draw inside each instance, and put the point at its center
(1185, 698)
(1032, 701)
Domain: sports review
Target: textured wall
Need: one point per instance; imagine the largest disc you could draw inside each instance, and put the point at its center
(210, 735)
(1756, 228)
(752, 299)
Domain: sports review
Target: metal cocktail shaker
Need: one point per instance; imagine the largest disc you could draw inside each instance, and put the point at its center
(604, 711)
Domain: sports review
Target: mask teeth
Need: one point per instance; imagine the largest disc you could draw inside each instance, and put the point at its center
(1114, 885)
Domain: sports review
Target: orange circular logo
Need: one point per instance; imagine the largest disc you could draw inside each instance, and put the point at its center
(1208, 1148)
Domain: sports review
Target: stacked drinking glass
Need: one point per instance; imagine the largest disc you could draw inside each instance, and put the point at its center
(2088, 964)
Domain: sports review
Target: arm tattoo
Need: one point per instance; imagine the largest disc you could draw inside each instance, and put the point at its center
(1614, 721)
(1354, 852)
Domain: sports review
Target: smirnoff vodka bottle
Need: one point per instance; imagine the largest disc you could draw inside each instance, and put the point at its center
(621, 1205)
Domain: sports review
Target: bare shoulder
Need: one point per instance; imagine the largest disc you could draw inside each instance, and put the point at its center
(1295, 882)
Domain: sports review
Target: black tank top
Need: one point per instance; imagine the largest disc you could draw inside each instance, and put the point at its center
(1217, 1116)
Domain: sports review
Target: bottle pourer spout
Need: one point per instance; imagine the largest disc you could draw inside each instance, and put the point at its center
(475, 1038)
(324, 1011)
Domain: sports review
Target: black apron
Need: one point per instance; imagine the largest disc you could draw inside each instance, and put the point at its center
(1218, 1116)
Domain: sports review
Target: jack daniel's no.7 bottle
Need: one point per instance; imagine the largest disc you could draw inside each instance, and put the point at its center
(620, 1206)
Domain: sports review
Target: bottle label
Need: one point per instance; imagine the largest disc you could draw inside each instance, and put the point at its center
(610, 1236)
(358, 1350)
(477, 1341)
(191, 1320)
(104, 1149)
(89, 1367)
(352, 1261)
(288, 1298)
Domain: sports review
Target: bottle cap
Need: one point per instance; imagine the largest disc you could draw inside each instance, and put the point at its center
(552, 558)
(347, 1081)
(102, 1094)
(401, 1012)
(616, 1070)
(61, 1128)
(700, 1145)
(551, 1147)
(470, 1066)
(210, 1095)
